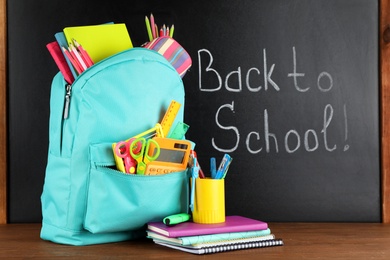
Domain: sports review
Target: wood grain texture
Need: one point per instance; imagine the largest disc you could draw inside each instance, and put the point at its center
(301, 241)
(3, 114)
(385, 106)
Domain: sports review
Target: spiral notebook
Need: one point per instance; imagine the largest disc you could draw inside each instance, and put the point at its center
(218, 242)
(224, 248)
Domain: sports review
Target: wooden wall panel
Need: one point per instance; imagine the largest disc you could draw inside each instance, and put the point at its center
(385, 106)
(3, 114)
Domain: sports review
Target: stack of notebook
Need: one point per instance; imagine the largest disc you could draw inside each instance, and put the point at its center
(235, 233)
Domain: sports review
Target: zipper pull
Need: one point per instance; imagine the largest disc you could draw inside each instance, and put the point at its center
(67, 101)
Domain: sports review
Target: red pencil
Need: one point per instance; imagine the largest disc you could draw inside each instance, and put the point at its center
(72, 60)
(77, 56)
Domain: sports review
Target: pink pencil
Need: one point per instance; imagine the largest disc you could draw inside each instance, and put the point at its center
(74, 63)
(77, 56)
(152, 25)
(84, 54)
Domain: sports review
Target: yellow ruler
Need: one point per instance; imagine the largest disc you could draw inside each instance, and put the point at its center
(169, 117)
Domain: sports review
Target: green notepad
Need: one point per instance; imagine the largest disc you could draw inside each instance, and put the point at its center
(100, 41)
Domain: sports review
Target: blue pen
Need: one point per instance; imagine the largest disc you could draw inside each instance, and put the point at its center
(213, 167)
(222, 169)
(227, 168)
(195, 175)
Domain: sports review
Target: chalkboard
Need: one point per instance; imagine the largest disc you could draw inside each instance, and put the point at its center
(288, 88)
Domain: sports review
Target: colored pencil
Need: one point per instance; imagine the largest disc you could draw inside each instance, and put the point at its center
(74, 63)
(148, 28)
(83, 53)
(171, 31)
(152, 24)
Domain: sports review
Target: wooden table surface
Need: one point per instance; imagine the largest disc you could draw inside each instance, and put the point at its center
(301, 241)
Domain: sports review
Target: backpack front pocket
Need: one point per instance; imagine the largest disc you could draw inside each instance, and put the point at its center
(120, 202)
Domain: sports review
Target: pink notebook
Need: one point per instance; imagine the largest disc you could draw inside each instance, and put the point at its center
(231, 224)
(59, 59)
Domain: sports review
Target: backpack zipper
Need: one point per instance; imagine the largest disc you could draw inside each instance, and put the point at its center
(68, 88)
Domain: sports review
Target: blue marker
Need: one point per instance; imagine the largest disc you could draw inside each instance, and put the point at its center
(223, 167)
(213, 167)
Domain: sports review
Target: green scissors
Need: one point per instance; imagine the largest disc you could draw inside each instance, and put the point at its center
(143, 156)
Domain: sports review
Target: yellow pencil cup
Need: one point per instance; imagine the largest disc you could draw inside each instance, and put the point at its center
(209, 204)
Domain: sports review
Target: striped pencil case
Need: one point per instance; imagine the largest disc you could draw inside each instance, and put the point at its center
(173, 52)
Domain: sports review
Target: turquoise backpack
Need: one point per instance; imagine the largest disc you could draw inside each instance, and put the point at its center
(85, 200)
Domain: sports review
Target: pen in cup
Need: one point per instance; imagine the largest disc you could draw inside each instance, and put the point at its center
(223, 167)
(213, 167)
(195, 175)
(192, 156)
